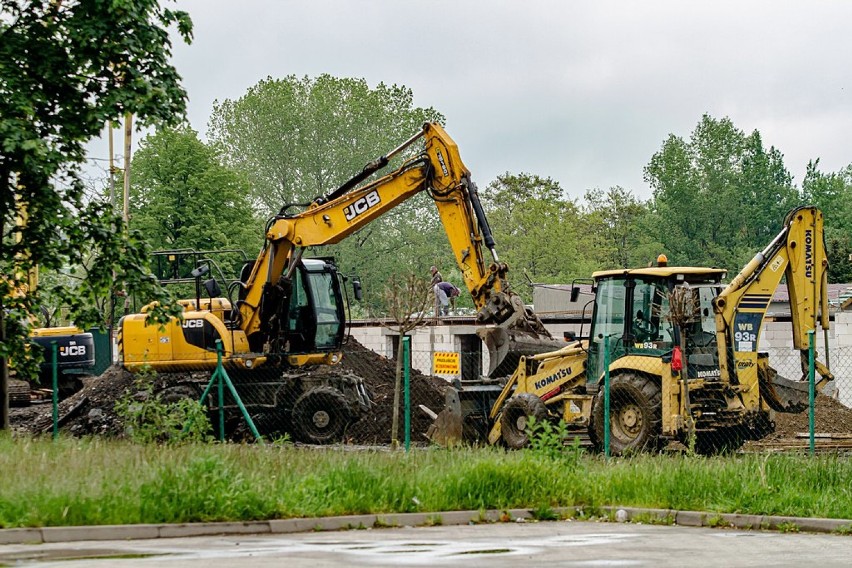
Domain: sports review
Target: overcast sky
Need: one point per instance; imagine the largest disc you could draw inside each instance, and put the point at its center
(583, 92)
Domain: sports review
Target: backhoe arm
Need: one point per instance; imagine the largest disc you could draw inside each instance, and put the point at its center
(798, 253)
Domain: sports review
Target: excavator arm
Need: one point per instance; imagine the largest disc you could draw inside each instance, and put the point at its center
(440, 171)
(798, 253)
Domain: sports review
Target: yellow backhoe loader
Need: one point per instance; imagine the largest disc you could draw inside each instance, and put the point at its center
(682, 353)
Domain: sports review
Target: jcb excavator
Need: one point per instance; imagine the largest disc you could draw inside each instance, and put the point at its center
(682, 352)
(288, 313)
(75, 348)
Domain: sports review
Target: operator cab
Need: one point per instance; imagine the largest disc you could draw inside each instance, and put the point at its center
(315, 321)
(642, 312)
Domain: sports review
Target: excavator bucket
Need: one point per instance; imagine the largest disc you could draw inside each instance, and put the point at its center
(781, 394)
(507, 346)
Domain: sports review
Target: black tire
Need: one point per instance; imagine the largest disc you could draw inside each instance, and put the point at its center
(635, 411)
(177, 393)
(320, 416)
(515, 418)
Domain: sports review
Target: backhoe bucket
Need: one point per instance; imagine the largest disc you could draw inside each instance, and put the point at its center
(783, 395)
(507, 346)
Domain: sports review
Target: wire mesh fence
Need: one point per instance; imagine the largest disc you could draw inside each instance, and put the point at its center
(642, 396)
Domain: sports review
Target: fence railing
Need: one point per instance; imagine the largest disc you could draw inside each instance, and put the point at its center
(642, 400)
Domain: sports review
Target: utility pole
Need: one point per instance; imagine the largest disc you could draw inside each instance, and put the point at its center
(128, 130)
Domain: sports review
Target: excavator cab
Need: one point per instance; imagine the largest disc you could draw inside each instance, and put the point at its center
(315, 320)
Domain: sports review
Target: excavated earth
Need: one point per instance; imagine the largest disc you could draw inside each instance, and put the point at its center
(91, 411)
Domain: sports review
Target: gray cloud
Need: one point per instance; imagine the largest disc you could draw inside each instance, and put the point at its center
(584, 92)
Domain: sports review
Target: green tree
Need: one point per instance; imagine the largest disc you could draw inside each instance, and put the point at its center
(617, 227)
(539, 232)
(184, 197)
(65, 69)
(297, 139)
(832, 193)
(718, 197)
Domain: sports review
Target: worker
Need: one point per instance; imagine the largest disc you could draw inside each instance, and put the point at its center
(446, 294)
(436, 278)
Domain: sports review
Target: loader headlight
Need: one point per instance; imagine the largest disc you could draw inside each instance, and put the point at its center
(335, 358)
(249, 364)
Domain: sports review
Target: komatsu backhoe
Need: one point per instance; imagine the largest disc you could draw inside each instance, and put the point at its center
(288, 313)
(682, 353)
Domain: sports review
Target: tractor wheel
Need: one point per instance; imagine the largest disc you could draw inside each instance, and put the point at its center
(515, 418)
(178, 393)
(634, 410)
(320, 416)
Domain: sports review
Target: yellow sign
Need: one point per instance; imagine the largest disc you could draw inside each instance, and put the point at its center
(446, 363)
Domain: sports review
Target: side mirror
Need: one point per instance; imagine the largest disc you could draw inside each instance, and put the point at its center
(575, 293)
(212, 288)
(356, 289)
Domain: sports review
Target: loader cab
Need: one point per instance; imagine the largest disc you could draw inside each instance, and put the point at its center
(641, 312)
(315, 320)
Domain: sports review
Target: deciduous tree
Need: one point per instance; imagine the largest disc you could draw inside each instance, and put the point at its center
(65, 69)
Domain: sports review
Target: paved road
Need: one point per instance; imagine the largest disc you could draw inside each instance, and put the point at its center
(564, 543)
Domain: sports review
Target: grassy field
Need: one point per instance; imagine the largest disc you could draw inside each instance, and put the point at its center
(81, 482)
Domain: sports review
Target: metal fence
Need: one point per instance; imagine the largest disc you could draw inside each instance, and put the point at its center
(606, 397)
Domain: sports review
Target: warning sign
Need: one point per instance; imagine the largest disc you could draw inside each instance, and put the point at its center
(446, 363)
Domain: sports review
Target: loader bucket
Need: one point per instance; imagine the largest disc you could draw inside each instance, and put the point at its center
(507, 346)
(446, 429)
(781, 394)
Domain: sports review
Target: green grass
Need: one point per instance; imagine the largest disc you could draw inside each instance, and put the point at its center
(81, 482)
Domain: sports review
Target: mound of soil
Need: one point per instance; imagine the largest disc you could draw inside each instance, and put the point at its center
(91, 411)
(379, 374)
(830, 417)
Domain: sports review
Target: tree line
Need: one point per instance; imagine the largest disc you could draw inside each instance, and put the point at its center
(718, 195)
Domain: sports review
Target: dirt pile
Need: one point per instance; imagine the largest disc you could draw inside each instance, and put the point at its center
(830, 417)
(379, 374)
(91, 411)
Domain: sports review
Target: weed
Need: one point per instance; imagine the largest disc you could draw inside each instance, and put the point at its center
(788, 527)
(716, 521)
(843, 530)
(149, 419)
(547, 439)
(544, 513)
(434, 521)
(649, 519)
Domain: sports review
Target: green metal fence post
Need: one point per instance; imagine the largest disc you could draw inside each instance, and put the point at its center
(811, 390)
(606, 395)
(221, 378)
(406, 366)
(54, 366)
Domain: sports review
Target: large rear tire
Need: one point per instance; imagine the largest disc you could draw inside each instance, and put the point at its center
(634, 409)
(514, 421)
(320, 416)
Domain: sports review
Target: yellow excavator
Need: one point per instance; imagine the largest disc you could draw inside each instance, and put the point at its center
(681, 351)
(288, 311)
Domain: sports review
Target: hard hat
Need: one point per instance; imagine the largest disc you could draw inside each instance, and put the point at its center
(662, 260)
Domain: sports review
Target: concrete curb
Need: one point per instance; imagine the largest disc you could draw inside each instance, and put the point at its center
(287, 526)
